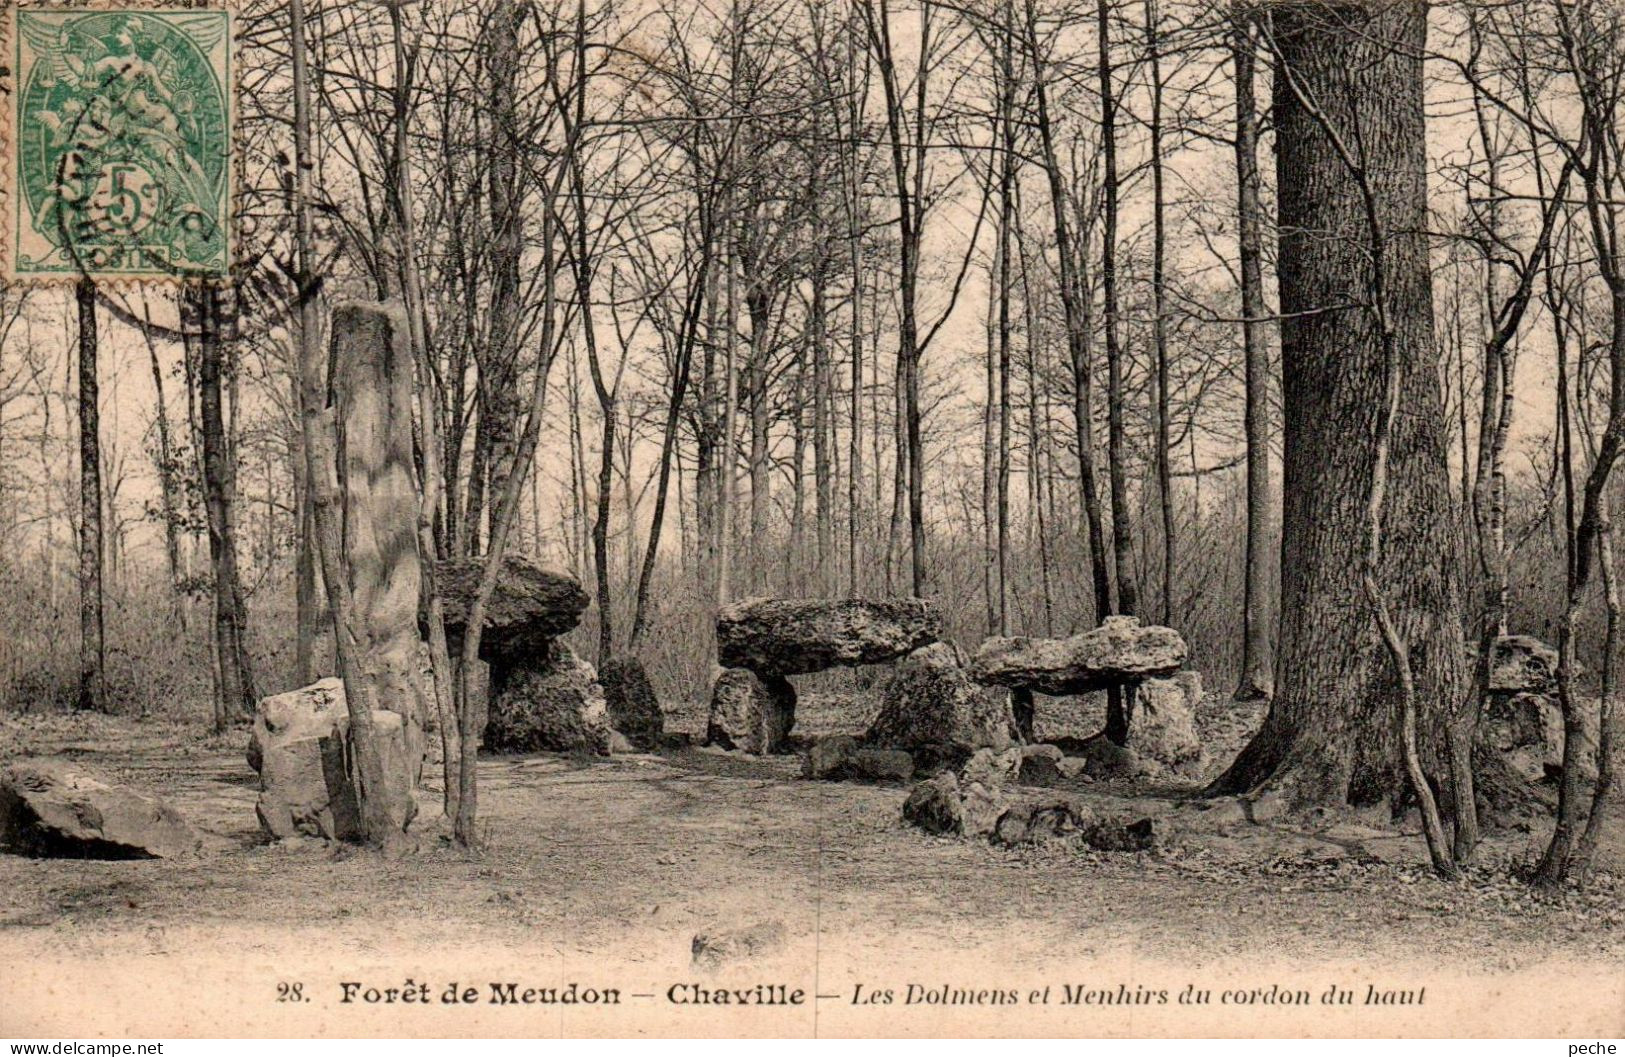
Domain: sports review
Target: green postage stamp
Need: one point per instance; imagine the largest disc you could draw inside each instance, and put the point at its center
(120, 142)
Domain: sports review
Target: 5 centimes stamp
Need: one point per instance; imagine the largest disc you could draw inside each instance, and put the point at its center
(120, 146)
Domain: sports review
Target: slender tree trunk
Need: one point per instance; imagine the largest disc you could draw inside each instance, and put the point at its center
(1116, 430)
(1073, 293)
(1159, 315)
(92, 660)
(237, 693)
(1257, 665)
(442, 689)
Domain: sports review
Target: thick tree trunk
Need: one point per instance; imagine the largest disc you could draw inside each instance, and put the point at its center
(1349, 86)
(1257, 673)
(92, 668)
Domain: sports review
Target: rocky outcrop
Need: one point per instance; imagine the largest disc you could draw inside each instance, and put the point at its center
(773, 636)
(299, 744)
(750, 712)
(54, 808)
(1120, 651)
(1527, 729)
(930, 701)
(1163, 731)
(529, 608)
(555, 706)
(634, 710)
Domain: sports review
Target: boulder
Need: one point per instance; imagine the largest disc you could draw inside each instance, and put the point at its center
(634, 710)
(1527, 728)
(930, 701)
(557, 706)
(981, 807)
(1113, 834)
(1105, 761)
(1163, 730)
(1522, 664)
(56, 809)
(796, 636)
(530, 607)
(828, 756)
(992, 769)
(1033, 819)
(750, 712)
(300, 740)
(881, 765)
(934, 805)
(1120, 651)
(1040, 766)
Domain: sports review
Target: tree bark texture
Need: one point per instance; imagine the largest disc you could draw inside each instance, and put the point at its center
(1331, 734)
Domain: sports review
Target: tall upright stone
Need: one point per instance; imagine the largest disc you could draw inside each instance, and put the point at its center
(372, 384)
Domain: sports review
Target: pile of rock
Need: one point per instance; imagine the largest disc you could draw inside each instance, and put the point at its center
(1523, 719)
(761, 642)
(56, 809)
(984, 799)
(542, 697)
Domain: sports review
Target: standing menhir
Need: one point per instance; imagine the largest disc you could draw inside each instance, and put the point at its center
(762, 641)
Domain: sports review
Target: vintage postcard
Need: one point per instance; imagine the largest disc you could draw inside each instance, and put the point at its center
(811, 518)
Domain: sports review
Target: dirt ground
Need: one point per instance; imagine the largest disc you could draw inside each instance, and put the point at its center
(606, 868)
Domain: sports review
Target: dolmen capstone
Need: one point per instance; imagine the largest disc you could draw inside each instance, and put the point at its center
(55, 808)
(542, 697)
(763, 641)
(299, 744)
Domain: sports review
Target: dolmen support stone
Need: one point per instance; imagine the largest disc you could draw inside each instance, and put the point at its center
(749, 712)
(549, 704)
(762, 641)
(299, 745)
(931, 703)
(56, 809)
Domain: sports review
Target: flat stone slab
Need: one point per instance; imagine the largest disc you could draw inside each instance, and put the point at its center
(530, 607)
(1120, 651)
(781, 636)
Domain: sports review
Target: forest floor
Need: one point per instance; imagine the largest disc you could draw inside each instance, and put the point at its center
(602, 870)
